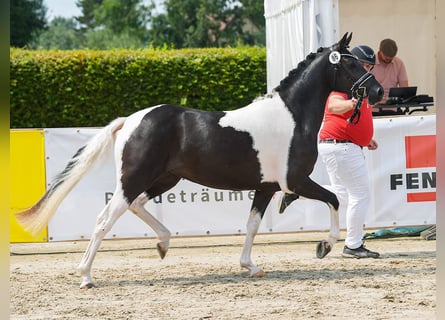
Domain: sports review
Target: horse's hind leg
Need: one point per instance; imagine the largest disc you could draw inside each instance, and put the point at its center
(105, 221)
(163, 183)
(137, 207)
(259, 205)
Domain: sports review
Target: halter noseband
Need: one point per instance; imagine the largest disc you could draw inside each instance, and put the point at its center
(358, 89)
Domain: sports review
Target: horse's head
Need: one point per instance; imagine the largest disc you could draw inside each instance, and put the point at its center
(348, 75)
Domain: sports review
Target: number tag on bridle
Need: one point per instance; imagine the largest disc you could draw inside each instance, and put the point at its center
(334, 57)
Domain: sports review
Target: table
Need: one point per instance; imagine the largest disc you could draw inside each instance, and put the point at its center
(400, 108)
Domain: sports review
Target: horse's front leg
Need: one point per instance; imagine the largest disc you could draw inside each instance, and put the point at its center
(309, 189)
(334, 232)
(324, 247)
(259, 206)
(105, 221)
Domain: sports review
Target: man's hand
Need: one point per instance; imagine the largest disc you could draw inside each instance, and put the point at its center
(372, 145)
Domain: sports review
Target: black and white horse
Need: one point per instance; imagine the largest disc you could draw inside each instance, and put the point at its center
(267, 146)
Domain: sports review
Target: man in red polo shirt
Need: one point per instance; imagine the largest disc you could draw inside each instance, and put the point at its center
(341, 150)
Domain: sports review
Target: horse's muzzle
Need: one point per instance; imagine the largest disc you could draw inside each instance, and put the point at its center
(367, 87)
(375, 93)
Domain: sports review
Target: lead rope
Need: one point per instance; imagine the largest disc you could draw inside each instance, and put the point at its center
(356, 112)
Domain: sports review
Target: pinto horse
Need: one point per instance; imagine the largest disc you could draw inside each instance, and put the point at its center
(267, 146)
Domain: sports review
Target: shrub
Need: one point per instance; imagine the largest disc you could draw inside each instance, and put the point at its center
(90, 88)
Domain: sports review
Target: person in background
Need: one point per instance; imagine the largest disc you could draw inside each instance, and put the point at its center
(389, 69)
(341, 150)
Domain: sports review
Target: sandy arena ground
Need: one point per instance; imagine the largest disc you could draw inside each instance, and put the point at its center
(201, 279)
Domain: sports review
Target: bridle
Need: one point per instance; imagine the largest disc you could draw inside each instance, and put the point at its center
(359, 92)
(358, 89)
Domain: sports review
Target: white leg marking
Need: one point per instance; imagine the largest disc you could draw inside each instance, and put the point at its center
(105, 221)
(334, 232)
(137, 207)
(246, 261)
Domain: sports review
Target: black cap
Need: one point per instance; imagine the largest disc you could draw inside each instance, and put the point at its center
(364, 53)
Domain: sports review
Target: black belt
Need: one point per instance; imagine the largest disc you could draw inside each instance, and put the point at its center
(334, 141)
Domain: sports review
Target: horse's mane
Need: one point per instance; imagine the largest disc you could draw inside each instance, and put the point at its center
(297, 71)
(266, 96)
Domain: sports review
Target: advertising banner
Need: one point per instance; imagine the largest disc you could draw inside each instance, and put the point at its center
(402, 172)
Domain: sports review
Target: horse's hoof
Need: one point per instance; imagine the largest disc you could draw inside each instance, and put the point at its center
(323, 248)
(258, 274)
(161, 250)
(87, 286)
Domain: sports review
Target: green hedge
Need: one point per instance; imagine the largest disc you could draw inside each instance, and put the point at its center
(90, 88)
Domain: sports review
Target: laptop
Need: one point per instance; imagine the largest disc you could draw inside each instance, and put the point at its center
(401, 94)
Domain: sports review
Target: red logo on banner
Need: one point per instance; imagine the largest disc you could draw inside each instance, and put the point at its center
(420, 152)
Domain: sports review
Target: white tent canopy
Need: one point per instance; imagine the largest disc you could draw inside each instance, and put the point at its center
(295, 28)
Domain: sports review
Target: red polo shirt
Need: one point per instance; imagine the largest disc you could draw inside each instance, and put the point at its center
(336, 126)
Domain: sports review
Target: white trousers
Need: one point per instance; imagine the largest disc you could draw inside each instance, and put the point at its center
(348, 174)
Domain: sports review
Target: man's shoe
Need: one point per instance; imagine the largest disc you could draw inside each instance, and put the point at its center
(360, 252)
(285, 200)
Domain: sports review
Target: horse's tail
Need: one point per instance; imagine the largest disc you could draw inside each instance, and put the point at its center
(36, 218)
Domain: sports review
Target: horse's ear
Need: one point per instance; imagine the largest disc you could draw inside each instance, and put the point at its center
(345, 40)
(348, 41)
